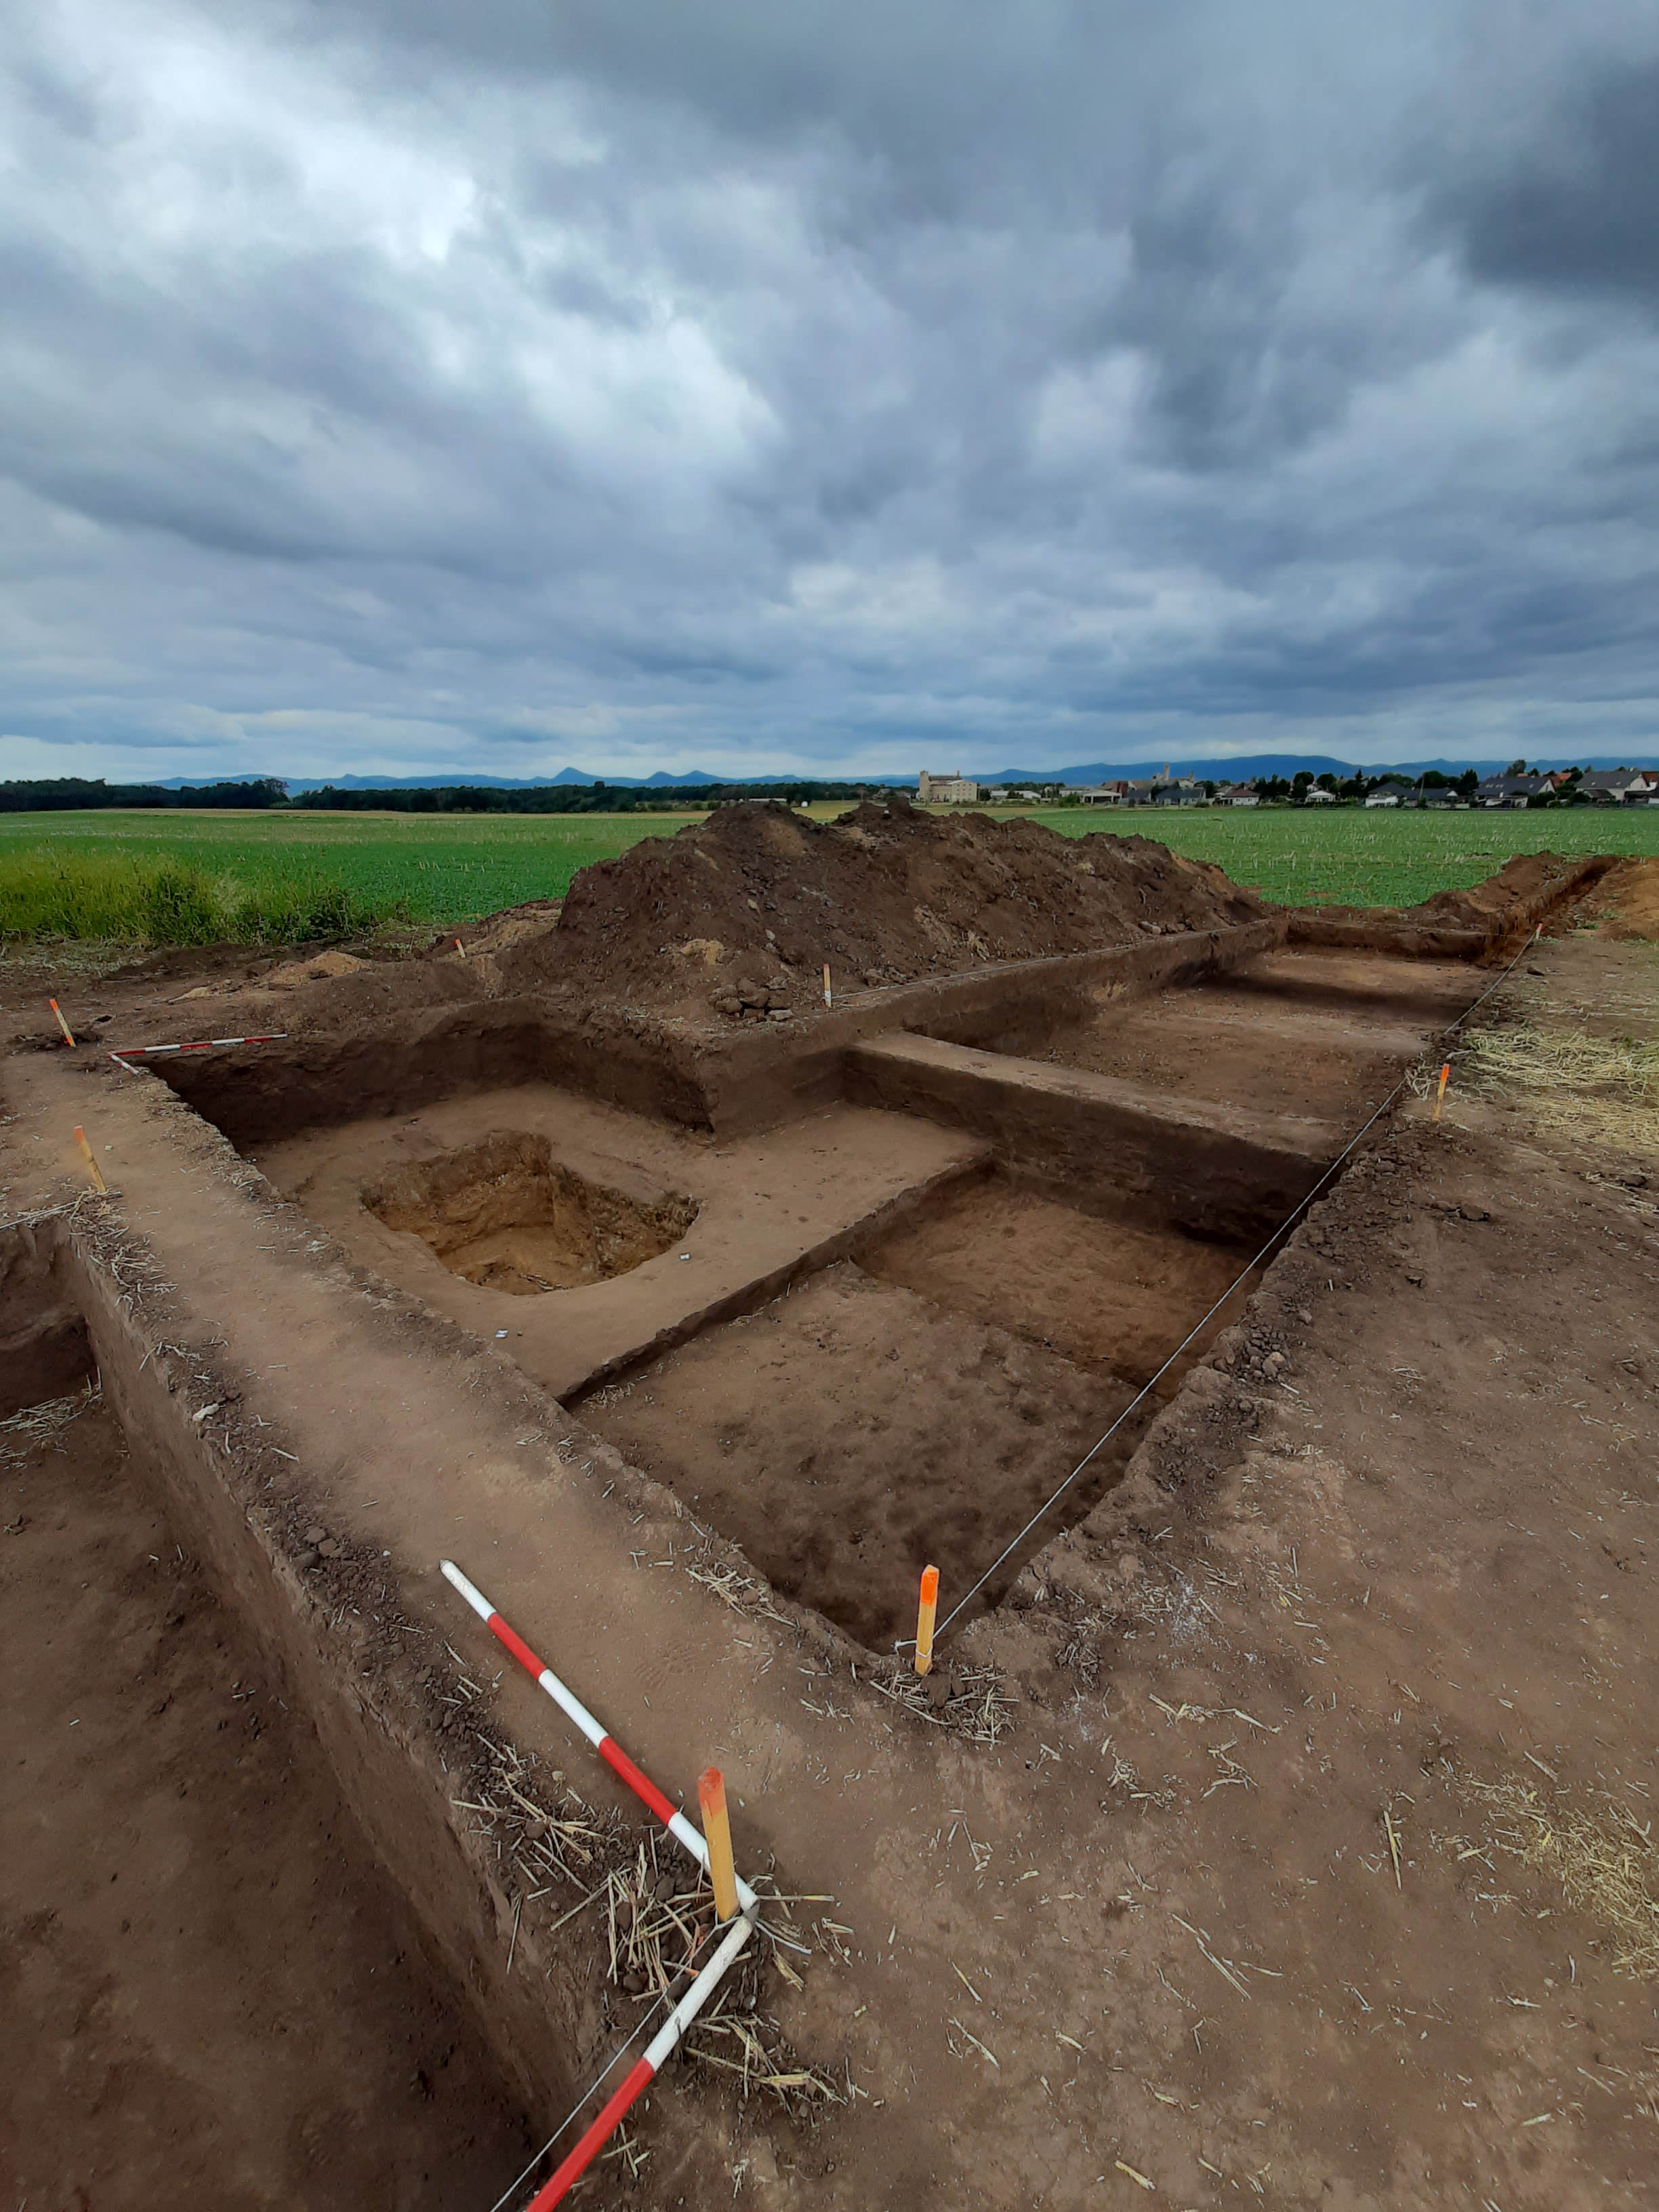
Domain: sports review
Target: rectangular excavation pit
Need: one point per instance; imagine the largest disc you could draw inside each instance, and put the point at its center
(210, 1991)
(631, 1234)
(917, 1406)
(1312, 1038)
(503, 1214)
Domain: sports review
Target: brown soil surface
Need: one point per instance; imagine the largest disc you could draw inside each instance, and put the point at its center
(852, 1433)
(209, 1995)
(1100, 1292)
(1315, 1865)
(506, 1215)
(1270, 1053)
(1624, 904)
(883, 895)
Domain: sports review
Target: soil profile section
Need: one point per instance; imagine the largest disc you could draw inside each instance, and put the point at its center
(382, 1749)
(209, 1992)
(1209, 1167)
(44, 1349)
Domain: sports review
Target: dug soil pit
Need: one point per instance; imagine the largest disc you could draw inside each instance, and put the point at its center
(507, 1216)
(1326, 1046)
(1104, 1293)
(851, 1434)
(921, 1408)
(209, 1993)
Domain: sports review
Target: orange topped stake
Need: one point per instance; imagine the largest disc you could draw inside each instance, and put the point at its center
(926, 1614)
(717, 1834)
(69, 1034)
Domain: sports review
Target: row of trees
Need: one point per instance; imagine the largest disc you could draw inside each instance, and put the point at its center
(574, 797)
(58, 794)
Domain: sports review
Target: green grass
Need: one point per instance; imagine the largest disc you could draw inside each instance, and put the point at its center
(1349, 856)
(173, 879)
(167, 878)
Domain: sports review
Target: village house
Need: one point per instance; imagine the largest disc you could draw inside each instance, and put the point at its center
(1621, 786)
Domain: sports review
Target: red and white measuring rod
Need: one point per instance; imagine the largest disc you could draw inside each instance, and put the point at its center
(640, 2076)
(606, 1745)
(198, 1044)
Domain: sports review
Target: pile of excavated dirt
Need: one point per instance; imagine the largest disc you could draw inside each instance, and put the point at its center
(1626, 904)
(1501, 902)
(745, 909)
(1529, 876)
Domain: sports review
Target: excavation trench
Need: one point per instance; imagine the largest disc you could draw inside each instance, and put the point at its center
(247, 1954)
(882, 1336)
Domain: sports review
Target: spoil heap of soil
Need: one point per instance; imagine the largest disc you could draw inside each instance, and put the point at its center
(759, 897)
(1521, 887)
(1491, 903)
(1626, 902)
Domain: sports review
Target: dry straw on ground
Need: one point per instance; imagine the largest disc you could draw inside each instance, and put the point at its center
(36, 1426)
(1602, 1091)
(1602, 1854)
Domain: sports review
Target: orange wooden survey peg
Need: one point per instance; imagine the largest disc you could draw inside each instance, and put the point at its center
(93, 1168)
(717, 1834)
(925, 1612)
(1440, 1095)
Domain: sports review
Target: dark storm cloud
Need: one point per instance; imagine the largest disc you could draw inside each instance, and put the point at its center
(394, 385)
(1574, 209)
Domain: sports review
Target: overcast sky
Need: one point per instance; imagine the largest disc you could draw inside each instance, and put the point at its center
(404, 386)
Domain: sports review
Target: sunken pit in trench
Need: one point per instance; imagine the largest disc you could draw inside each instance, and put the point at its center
(1300, 1035)
(211, 1991)
(918, 1405)
(506, 1215)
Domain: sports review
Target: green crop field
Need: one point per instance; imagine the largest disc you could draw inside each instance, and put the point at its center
(169, 876)
(93, 874)
(1366, 857)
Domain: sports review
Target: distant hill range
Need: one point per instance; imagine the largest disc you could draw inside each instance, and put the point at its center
(1241, 769)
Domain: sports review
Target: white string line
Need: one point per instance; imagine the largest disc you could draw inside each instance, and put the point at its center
(1301, 1207)
(597, 2082)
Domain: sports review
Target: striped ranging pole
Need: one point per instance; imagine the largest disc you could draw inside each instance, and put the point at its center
(69, 1034)
(126, 1052)
(605, 1744)
(643, 2071)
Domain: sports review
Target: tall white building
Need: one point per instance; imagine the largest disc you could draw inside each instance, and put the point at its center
(953, 790)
